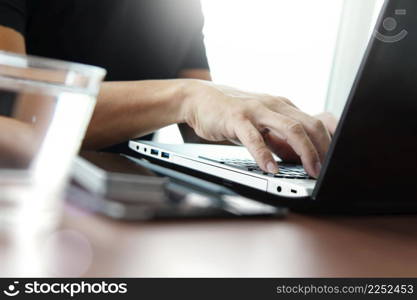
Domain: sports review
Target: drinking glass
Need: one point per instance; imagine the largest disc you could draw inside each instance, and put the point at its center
(45, 108)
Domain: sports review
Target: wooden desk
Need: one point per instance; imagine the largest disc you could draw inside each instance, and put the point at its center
(299, 246)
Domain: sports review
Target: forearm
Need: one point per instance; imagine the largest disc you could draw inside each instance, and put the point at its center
(127, 110)
(11, 40)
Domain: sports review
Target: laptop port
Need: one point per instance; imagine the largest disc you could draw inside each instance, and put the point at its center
(279, 189)
(164, 155)
(154, 152)
(293, 191)
(137, 148)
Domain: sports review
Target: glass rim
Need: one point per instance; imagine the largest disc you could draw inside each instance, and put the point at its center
(52, 63)
(33, 73)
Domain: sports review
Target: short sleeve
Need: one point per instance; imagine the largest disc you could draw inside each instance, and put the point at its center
(13, 14)
(196, 56)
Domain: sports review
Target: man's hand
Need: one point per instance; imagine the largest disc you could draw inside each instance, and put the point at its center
(285, 151)
(257, 121)
(329, 120)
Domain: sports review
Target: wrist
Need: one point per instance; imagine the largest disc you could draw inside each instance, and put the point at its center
(189, 89)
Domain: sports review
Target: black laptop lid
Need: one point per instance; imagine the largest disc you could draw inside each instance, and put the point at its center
(373, 159)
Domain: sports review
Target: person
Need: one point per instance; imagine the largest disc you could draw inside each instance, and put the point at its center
(158, 75)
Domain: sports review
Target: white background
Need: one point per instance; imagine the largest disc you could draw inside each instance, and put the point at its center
(307, 51)
(282, 47)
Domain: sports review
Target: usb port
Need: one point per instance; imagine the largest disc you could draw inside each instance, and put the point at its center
(154, 152)
(293, 191)
(164, 155)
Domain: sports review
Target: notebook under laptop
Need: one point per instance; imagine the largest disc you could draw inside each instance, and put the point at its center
(372, 162)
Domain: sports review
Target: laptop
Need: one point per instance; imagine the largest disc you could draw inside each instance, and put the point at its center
(372, 162)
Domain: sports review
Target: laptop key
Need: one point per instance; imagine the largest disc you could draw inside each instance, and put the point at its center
(289, 171)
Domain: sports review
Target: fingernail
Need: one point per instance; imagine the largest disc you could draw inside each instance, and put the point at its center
(272, 167)
(318, 169)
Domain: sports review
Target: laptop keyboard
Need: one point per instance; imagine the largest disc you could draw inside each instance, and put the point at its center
(290, 171)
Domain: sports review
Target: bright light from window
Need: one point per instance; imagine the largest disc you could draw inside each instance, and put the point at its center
(281, 47)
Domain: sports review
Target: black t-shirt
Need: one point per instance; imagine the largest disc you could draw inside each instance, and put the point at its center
(132, 39)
